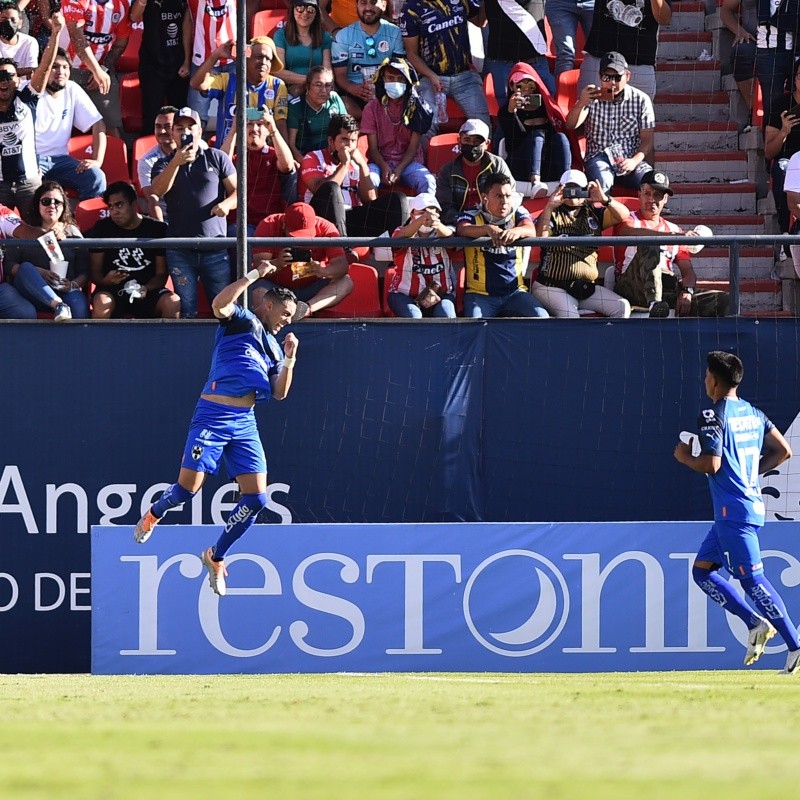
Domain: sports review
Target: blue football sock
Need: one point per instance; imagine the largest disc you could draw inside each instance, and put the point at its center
(771, 605)
(239, 520)
(723, 593)
(173, 496)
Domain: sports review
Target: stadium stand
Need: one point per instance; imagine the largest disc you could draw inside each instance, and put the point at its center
(115, 163)
(363, 301)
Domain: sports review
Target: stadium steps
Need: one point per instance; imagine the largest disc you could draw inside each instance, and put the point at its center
(756, 296)
(711, 199)
(705, 106)
(692, 136)
(715, 163)
(704, 166)
(713, 262)
(684, 45)
(687, 76)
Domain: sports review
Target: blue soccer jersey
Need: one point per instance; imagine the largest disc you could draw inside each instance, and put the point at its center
(734, 430)
(245, 357)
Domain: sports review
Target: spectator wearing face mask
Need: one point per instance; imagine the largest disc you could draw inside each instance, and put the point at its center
(22, 48)
(395, 121)
(460, 182)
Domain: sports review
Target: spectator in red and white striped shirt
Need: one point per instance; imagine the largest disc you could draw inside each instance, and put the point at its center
(96, 36)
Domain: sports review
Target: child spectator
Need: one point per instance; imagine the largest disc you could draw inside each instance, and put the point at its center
(424, 280)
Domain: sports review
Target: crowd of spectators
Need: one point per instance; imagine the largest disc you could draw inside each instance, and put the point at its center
(344, 101)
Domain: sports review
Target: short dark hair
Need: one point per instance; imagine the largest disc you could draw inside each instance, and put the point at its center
(280, 294)
(8, 62)
(495, 179)
(167, 110)
(725, 367)
(6, 5)
(120, 187)
(314, 71)
(342, 123)
(62, 53)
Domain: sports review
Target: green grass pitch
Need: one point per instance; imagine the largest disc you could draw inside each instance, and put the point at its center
(645, 735)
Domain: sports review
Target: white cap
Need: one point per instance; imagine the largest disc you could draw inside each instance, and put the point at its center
(475, 127)
(703, 230)
(422, 201)
(574, 176)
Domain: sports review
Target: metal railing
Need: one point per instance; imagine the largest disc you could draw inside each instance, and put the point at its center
(733, 242)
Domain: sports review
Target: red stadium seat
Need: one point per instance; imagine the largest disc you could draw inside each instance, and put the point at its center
(388, 277)
(140, 147)
(265, 5)
(567, 89)
(442, 148)
(88, 212)
(129, 60)
(265, 23)
(363, 301)
(491, 96)
(115, 163)
(130, 100)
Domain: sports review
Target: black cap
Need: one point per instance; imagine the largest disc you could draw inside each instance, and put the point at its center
(614, 61)
(658, 180)
(306, 3)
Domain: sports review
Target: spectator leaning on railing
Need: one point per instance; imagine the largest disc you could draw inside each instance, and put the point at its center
(566, 284)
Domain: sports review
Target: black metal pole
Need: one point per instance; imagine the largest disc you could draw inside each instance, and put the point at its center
(242, 251)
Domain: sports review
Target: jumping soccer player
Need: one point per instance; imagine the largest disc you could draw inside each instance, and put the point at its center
(732, 436)
(247, 366)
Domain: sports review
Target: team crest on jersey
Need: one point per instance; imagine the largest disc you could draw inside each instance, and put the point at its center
(197, 451)
(592, 223)
(383, 47)
(269, 94)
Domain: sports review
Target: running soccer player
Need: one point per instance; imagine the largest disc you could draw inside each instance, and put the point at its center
(247, 366)
(733, 435)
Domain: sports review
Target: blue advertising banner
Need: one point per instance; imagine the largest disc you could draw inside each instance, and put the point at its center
(387, 422)
(547, 597)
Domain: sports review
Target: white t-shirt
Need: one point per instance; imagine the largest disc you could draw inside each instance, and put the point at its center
(792, 181)
(25, 52)
(58, 113)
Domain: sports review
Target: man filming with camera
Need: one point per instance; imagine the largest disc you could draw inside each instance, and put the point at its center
(566, 282)
(619, 123)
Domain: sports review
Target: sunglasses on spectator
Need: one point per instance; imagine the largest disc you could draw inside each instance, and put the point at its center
(5, 75)
(321, 85)
(306, 9)
(51, 201)
(370, 43)
(609, 78)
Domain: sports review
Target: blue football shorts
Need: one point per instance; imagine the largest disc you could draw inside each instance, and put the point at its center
(224, 435)
(735, 546)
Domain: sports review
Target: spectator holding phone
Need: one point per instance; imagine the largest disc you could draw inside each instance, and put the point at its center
(533, 125)
(318, 276)
(619, 123)
(424, 280)
(199, 187)
(566, 284)
(781, 142)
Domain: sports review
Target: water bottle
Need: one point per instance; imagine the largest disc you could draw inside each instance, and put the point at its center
(441, 108)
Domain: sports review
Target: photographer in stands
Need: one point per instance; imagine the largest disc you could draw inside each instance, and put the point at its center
(566, 281)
